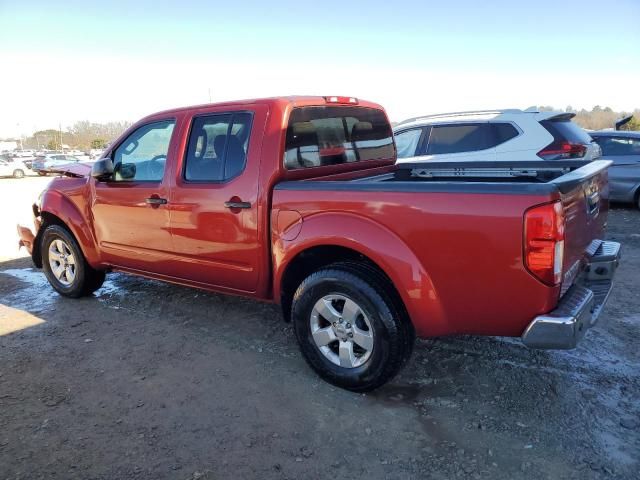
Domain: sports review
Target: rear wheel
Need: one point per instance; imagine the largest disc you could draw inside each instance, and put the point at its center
(350, 331)
(64, 264)
(42, 174)
(18, 173)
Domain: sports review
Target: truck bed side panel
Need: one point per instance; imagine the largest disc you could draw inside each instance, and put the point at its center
(469, 244)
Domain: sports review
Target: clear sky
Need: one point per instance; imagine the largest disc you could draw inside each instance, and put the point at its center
(64, 61)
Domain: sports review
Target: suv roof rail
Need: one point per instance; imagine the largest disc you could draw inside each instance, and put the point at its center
(470, 112)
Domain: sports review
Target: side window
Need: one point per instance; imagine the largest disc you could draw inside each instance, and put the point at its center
(618, 145)
(459, 138)
(503, 132)
(217, 148)
(407, 142)
(143, 155)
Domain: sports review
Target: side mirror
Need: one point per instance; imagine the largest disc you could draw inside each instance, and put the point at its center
(102, 170)
(127, 171)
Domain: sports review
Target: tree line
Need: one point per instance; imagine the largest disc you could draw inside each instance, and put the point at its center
(599, 117)
(82, 135)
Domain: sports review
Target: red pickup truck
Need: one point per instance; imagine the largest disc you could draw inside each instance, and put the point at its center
(299, 201)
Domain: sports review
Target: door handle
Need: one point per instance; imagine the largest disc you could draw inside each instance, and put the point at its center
(156, 201)
(237, 204)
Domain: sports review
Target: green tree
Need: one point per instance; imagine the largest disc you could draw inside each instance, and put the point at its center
(98, 143)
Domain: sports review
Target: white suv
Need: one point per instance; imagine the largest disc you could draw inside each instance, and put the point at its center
(493, 136)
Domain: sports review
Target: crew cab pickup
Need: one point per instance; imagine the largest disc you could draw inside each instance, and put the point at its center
(298, 201)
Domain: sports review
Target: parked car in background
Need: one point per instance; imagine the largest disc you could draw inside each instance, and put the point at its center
(298, 201)
(493, 135)
(623, 148)
(79, 154)
(42, 165)
(12, 167)
(23, 153)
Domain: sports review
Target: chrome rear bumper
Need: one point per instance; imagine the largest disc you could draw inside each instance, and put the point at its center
(580, 307)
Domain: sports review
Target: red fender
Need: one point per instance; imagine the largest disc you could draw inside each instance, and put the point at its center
(369, 239)
(61, 206)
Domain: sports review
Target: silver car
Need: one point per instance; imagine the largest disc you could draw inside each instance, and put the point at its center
(623, 148)
(12, 167)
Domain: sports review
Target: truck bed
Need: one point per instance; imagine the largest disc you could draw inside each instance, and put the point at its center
(463, 228)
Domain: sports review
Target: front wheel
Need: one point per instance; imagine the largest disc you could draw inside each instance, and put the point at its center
(18, 173)
(350, 331)
(64, 264)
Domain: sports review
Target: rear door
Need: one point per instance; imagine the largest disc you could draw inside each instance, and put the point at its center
(214, 202)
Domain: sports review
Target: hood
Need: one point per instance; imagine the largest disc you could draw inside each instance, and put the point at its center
(79, 169)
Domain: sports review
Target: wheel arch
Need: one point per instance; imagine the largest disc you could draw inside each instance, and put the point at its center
(57, 209)
(338, 237)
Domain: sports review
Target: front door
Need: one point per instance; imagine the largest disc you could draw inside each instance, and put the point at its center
(131, 215)
(214, 206)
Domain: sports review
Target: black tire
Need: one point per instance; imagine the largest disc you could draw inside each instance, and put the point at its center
(86, 279)
(42, 174)
(393, 334)
(18, 173)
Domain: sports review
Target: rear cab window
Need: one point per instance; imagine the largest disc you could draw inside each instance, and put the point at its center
(331, 135)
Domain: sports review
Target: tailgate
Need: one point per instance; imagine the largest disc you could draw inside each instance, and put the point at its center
(585, 198)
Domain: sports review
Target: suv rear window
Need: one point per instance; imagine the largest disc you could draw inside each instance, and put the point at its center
(566, 130)
(321, 136)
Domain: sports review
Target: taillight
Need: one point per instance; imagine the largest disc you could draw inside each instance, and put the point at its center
(343, 100)
(544, 242)
(559, 150)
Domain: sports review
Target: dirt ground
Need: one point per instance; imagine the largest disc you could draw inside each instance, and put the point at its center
(149, 380)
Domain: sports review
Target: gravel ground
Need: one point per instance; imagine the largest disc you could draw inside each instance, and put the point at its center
(149, 380)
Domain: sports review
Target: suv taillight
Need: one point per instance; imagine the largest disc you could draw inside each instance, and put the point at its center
(544, 242)
(559, 150)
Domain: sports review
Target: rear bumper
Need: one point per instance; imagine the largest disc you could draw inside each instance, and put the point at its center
(581, 305)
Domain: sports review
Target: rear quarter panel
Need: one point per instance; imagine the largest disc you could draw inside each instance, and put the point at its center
(455, 258)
